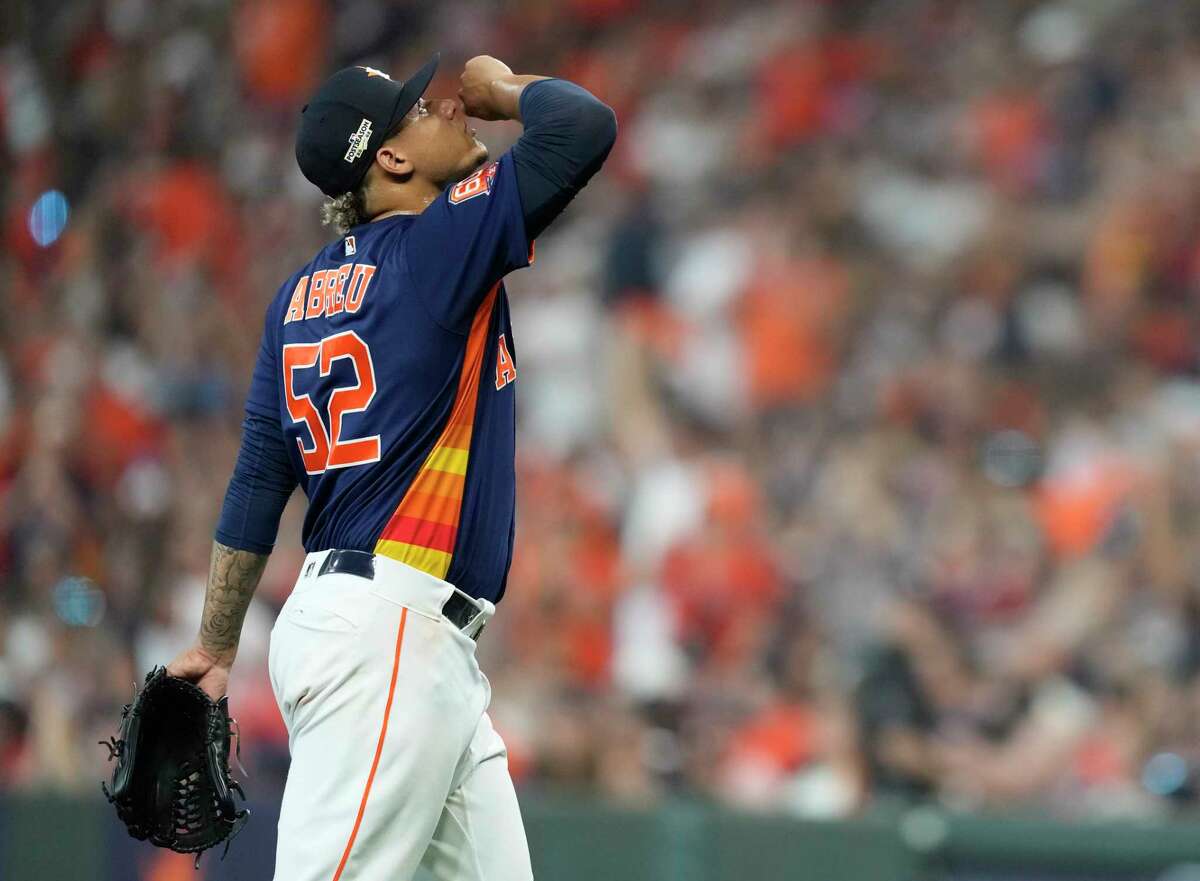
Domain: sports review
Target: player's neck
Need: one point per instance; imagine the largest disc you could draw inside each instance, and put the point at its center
(410, 198)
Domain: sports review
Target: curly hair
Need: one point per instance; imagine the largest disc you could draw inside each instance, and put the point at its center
(347, 210)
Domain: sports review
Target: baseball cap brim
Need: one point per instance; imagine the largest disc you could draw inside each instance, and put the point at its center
(412, 90)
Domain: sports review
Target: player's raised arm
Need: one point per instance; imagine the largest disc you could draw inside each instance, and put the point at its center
(481, 225)
(568, 133)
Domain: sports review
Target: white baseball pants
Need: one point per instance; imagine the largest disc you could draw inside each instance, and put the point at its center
(395, 764)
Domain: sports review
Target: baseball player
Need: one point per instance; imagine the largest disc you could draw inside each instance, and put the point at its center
(385, 388)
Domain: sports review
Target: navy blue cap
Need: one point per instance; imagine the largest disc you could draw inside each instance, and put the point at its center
(347, 120)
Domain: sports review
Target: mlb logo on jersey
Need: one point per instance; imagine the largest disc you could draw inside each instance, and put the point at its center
(351, 248)
(475, 185)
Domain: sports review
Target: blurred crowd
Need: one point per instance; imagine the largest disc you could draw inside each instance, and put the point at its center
(859, 407)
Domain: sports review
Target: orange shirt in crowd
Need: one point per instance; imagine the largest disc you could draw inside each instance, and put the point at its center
(789, 316)
(281, 47)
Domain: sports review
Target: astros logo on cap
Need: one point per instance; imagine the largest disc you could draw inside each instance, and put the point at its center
(372, 71)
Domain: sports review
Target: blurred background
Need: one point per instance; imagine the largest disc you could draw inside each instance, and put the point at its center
(859, 470)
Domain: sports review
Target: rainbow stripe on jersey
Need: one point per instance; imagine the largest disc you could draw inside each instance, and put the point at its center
(423, 529)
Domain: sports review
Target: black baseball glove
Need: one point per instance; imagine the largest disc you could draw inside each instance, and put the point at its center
(171, 784)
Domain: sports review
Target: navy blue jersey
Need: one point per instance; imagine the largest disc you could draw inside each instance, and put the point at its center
(388, 361)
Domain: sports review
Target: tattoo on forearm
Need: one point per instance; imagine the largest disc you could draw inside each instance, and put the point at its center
(233, 575)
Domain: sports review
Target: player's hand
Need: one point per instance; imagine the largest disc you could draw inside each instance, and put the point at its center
(477, 92)
(201, 667)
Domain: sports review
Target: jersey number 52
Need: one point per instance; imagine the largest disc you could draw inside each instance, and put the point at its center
(329, 449)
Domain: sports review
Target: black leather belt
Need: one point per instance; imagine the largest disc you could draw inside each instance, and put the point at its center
(458, 610)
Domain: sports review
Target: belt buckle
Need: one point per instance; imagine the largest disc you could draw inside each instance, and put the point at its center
(483, 613)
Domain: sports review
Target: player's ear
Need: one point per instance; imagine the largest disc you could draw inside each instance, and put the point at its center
(393, 160)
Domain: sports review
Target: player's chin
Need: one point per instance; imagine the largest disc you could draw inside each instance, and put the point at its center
(479, 153)
(473, 157)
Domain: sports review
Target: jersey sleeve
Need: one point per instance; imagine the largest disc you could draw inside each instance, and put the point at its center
(259, 489)
(569, 132)
(467, 240)
(263, 397)
(263, 477)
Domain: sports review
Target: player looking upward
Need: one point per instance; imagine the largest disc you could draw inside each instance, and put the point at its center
(385, 387)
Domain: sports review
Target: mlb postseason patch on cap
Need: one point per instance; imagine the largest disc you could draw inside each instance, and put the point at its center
(359, 141)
